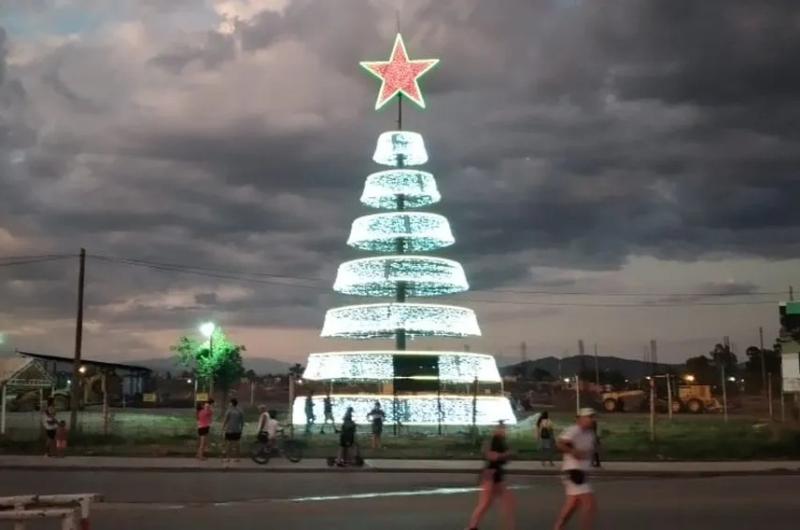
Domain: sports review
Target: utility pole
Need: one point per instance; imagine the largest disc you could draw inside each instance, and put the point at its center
(582, 356)
(523, 351)
(596, 366)
(75, 391)
(653, 356)
(791, 293)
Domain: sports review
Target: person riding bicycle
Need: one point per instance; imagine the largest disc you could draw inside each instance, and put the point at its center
(267, 427)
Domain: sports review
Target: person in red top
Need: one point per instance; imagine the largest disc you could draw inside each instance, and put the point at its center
(205, 415)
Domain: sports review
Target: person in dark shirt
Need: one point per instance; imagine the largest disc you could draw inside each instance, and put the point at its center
(327, 409)
(347, 437)
(376, 416)
(309, 409)
(493, 485)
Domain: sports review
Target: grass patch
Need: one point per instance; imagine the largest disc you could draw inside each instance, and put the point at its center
(623, 437)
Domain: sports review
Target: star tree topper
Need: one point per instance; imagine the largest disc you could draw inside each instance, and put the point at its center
(399, 75)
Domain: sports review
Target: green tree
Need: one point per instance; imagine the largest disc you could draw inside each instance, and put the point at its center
(217, 360)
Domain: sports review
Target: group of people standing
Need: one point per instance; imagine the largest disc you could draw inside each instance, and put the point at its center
(232, 428)
(376, 418)
(577, 444)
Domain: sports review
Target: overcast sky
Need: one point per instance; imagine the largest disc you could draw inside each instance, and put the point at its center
(633, 150)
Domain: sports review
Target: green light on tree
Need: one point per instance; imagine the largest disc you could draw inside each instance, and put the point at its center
(216, 360)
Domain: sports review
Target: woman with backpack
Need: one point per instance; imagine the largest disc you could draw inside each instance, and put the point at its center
(544, 433)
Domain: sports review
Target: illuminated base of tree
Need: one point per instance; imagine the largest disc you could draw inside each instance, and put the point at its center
(425, 409)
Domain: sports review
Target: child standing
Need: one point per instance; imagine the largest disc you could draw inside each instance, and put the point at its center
(61, 438)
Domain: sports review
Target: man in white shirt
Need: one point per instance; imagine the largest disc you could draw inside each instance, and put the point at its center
(577, 444)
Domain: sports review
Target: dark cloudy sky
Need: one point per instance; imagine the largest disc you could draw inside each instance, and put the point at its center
(645, 148)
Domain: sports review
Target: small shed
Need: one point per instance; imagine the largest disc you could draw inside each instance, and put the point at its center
(20, 373)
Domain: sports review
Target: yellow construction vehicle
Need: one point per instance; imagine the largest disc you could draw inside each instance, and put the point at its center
(695, 399)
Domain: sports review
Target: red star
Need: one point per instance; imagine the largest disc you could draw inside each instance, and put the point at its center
(399, 74)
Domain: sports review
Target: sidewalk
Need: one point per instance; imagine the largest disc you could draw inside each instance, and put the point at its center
(316, 465)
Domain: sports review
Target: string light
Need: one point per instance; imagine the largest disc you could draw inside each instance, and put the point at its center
(418, 188)
(454, 367)
(400, 147)
(383, 320)
(420, 232)
(378, 276)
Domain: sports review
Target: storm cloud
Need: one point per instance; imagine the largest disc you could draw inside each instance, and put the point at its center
(578, 145)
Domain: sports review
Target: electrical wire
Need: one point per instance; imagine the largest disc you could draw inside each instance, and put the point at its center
(29, 260)
(257, 278)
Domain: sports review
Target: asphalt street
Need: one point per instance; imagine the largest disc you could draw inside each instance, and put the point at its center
(394, 501)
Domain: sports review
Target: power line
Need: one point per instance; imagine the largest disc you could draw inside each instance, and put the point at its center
(29, 260)
(201, 271)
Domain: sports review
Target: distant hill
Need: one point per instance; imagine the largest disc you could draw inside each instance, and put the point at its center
(630, 368)
(260, 365)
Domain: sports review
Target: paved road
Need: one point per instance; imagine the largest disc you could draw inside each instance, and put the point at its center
(356, 501)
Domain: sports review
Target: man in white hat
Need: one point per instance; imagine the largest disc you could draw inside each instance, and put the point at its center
(578, 444)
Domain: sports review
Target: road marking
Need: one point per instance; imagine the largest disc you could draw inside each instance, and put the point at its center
(375, 495)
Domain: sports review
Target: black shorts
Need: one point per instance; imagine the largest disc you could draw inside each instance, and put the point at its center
(377, 429)
(576, 476)
(203, 431)
(262, 437)
(51, 434)
(233, 436)
(346, 442)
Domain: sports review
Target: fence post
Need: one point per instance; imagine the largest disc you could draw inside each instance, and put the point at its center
(769, 396)
(291, 405)
(652, 409)
(475, 407)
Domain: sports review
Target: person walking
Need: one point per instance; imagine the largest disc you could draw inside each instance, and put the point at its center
(376, 416)
(205, 416)
(327, 409)
(578, 444)
(309, 409)
(493, 485)
(545, 435)
(232, 426)
(50, 424)
(347, 438)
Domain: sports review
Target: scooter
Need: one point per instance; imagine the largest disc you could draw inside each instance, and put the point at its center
(356, 461)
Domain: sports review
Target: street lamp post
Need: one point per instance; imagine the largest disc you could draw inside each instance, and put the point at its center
(208, 329)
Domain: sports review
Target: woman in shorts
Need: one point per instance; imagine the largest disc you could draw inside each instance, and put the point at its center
(205, 415)
(577, 444)
(50, 424)
(493, 484)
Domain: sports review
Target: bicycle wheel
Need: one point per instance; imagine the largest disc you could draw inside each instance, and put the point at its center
(259, 453)
(293, 451)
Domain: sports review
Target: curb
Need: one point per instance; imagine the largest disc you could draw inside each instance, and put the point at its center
(611, 474)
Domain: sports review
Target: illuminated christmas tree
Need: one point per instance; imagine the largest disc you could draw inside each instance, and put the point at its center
(414, 387)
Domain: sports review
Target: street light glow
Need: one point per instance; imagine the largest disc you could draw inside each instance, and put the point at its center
(689, 378)
(82, 369)
(207, 329)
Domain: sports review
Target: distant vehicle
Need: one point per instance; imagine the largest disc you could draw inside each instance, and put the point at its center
(629, 400)
(695, 399)
(688, 398)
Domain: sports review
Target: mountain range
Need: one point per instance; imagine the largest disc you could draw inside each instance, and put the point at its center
(569, 366)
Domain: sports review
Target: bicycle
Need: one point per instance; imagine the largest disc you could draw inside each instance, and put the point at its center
(292, 450)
